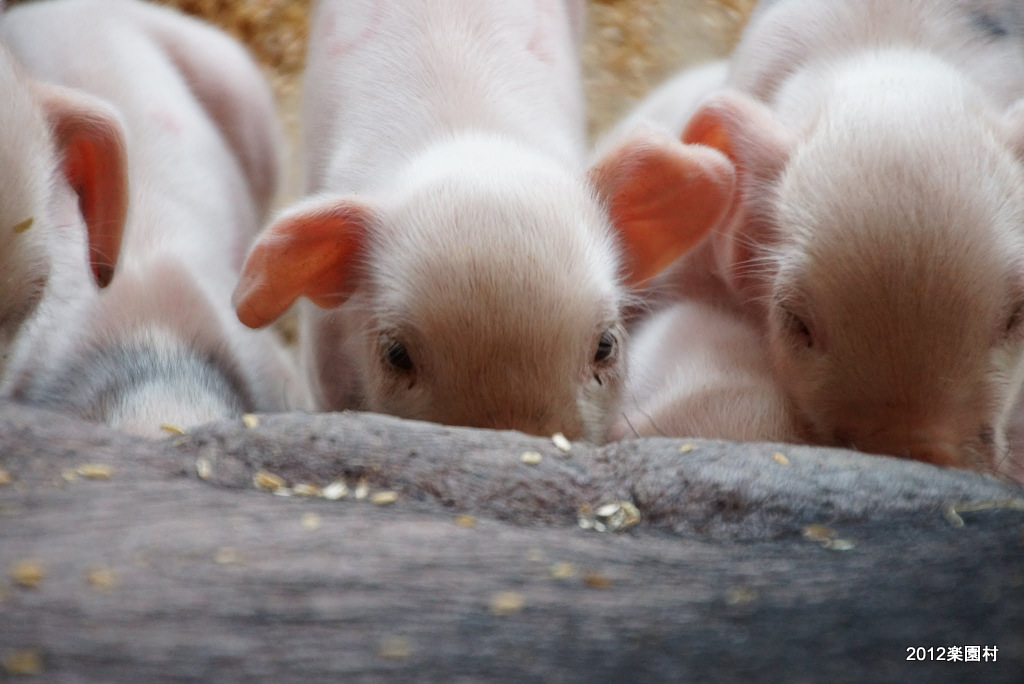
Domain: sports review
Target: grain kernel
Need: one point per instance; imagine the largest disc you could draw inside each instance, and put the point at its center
(530, 458)
(506, 603)
(94, 471)
(264, 479)
(384, 498)
(310, 521)
(27, 573)
(24, 662)
(561, 442)
(335, 490)
(100, 577)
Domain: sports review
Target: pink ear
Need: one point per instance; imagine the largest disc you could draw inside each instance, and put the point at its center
(747, 132)
(663, 198)
(742, 129)
(89, 135)
(312, 251)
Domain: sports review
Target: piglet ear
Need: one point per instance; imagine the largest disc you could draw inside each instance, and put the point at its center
(748, 133)
(742, 129)
(663, 198)
(314, 250)
(90, 138)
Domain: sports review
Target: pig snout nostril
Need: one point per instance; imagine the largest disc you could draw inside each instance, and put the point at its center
(936, 453)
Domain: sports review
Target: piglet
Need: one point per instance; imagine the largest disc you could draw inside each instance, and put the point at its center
(58, 153)
(697, 368)
(161, 344)
(461, 265)
(877, 234)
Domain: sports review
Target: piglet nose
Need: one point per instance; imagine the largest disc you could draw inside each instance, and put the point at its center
(572, 429)
(618, 430)
(936, 453)
(935, 444)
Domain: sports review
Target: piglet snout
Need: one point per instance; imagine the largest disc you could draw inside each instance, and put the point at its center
(620, 429)
(930, 446)
(936, 453)
(571, 429)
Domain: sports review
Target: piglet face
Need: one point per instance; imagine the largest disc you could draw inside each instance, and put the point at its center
(505, 316)
(895, 308)
(485, 287)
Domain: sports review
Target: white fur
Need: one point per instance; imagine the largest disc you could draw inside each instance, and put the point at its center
(198, 187)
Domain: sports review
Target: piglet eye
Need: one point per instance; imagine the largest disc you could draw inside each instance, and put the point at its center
(1013, 323)
(398, 356)
(798, 329)
(605, 347)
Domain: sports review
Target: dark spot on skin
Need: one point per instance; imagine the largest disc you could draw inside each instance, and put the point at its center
(991, 25)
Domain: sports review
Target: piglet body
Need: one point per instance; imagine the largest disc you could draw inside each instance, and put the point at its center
(697, 370)
(161, 343)
(670, 105)
(464, 267)
(877, 234)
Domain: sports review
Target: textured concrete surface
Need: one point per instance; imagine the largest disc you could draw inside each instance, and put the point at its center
(745, 562)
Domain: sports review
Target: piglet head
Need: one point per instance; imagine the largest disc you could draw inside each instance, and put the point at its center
(889, 269)
(484, 297)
